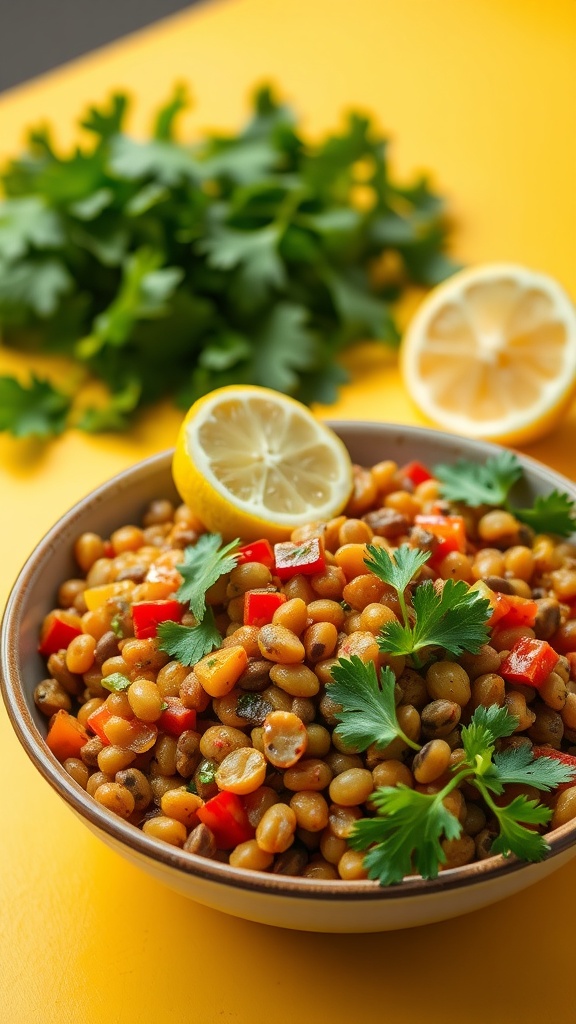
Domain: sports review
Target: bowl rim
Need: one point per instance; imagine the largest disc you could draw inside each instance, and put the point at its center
(560, 840)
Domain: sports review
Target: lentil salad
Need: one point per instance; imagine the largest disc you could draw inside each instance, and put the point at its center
(258, 774)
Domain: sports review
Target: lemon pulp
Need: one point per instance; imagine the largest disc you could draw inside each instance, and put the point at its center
(252, 462)
(492, 353)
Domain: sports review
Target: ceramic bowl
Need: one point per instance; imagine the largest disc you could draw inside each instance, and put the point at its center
(298, 903)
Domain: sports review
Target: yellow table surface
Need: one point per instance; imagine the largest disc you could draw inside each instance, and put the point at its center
(482, 91)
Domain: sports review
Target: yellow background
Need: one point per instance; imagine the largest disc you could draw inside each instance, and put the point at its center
(482, 92)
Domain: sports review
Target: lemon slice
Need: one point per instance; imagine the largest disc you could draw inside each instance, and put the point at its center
(491, 353)
(250, 462)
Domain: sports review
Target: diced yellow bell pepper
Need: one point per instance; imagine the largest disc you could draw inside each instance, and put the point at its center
(97, 596)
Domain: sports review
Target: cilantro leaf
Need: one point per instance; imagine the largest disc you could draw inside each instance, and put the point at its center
(553, 513)
(359, 310)
(38, 410)
(27, 222)
(116, 413)
(254, 253)
(103, 122)
(368, 711)
(32, 288)
(224, 352)
(485, 727)
(399, 570)
(165, 118)
(188, 644)
(517, 764)
(204, 563)
(475, 484)
(93, 204)
(514, 837)
(454, 620)
(242, 160)
(107, 243)
(143, 294)
(283, 346)
(407, 831)
(165, 162)
(331, 164)
(322, 384)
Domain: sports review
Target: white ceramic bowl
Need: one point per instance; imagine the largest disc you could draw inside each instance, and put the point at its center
(271, 899)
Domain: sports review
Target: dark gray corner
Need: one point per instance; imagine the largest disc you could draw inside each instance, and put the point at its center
(37, 35)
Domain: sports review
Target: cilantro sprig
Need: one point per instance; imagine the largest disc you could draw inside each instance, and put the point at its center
(188, 644)
(368, 713)
(474, 484)
(454, 619)
(37, 409)
(204, 563)
(409, 828)
(171, 266)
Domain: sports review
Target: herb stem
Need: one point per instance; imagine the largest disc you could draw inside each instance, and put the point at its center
(411, 743)
(458, 776)
(452, 784)
(478, 783)
(403, 607)
(416, 660)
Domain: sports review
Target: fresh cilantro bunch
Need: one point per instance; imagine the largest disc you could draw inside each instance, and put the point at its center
(474, 484)
(204, 563)
(166, 267)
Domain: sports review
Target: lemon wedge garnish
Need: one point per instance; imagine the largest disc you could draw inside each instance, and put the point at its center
(251, 462)
(491, 353)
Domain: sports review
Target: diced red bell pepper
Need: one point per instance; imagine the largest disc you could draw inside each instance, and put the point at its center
(66, 736)
(292, 559)
(97, 720)
(108, 549)
(147, 615)
(498, 603)
(450, 531)
(226, 817)
(259, 606)
(176, 718)
(415, 471)
(521, 612)
(257, 551)
(508, 610)
(568, 759)
(529, 662)
(58, 629)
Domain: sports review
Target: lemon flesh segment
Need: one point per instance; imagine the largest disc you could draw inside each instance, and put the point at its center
(252, 462)
(492, 353)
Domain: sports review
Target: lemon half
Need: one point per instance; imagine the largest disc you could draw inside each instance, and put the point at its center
(491, 353)
(251, 462)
